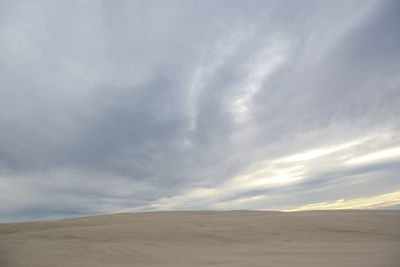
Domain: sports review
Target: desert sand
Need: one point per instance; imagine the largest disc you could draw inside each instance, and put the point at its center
(206, 238)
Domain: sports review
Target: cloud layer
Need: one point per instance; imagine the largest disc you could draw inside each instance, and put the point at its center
(142, 105)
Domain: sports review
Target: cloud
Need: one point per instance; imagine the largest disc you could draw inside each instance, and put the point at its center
(376, 156)
(111, 106)
(324, 168)
(385, 200)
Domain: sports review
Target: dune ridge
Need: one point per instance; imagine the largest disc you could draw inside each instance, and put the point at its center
(207, 238)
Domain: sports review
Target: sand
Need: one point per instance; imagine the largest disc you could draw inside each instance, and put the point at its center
(203, 238)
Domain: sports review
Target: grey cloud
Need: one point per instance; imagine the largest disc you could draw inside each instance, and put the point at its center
(141, 95)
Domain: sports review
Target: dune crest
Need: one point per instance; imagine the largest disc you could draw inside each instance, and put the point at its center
(207, 238)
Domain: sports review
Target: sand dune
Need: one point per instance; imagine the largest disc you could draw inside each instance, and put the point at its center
(202, 238)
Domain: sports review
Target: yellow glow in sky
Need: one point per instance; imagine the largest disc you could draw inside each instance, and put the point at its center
(283, 179)
(378, 201)
(384, 154)
(288, 170)
(316, 153)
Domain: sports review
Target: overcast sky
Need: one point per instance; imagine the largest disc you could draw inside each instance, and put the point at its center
(114, 106)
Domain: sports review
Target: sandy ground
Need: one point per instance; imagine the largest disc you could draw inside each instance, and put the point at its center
(202, 238)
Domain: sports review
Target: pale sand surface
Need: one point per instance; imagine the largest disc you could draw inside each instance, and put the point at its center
(202, 238)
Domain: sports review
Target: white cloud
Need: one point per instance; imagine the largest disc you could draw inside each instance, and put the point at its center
(273, 174)
(387, 154)
(259, 68)
(377, 201)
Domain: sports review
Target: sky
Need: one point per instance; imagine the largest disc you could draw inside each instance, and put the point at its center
(127, 106)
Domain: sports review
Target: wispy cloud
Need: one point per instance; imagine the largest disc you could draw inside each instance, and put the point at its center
(387, 154)
(379, 201)
(271, 175)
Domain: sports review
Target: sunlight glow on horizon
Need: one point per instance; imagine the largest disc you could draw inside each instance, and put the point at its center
(288, 171)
